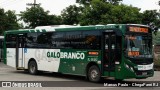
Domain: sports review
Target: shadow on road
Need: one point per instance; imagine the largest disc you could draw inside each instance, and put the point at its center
(70, 80)
(71, 77)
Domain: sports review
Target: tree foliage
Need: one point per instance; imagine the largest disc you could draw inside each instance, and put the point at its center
(36, 16)
(54, 20)
(89, 12)
(156, 39)
(151, 17)
(71, 15)
(126, 14)
(94, 13)
(105, 13)
(8, 20)
(12, 21)
(2, 20)
(114, 2)
(87, 2)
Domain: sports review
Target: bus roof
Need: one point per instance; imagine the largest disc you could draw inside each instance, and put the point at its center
(53, 28)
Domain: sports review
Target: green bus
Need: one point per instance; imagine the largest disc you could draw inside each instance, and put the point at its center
(119, 51)
(1, 48)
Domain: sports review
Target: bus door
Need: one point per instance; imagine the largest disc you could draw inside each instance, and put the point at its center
(19, 50)
(109, 52)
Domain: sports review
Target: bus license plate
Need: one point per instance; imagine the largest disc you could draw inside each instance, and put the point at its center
(144, 73)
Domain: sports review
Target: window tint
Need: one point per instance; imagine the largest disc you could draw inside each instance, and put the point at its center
(31, 40)
(10, 40)
(38, 40)
(58, 40)
(71, 39)
(44, 40)
(92, 39)
(1, 43)
(76, 40)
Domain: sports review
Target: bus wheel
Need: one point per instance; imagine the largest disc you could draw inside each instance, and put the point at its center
(94, 74)
(32, 67)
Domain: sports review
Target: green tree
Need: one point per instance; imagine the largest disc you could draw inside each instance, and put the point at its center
(125, 14)
(86, 2)
(71, 15)
(156, 39)
(36, 16)
(8, 21)
(11, 20)
(151, 16)
(114, 2)
(2, 20)
(54, 20)
(105, 13)
(94, 13)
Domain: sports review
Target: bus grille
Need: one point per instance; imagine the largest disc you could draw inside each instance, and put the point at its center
(144, 73)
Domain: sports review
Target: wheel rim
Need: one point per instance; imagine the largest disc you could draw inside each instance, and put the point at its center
(32, 68)
(94, 74)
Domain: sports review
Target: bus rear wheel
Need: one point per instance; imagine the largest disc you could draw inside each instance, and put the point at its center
(32, 68)
(94, 74)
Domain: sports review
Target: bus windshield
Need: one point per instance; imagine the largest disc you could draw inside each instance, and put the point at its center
(139, 46)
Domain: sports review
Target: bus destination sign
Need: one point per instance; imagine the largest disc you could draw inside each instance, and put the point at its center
(138, 29)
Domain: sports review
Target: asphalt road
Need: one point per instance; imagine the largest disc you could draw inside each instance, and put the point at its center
(55, 81)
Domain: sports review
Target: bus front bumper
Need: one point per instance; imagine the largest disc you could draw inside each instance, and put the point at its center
(144, 74)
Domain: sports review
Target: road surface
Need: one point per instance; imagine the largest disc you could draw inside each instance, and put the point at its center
(55, 81)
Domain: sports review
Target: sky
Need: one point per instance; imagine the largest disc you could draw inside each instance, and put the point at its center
(143, 4)
(56, 6)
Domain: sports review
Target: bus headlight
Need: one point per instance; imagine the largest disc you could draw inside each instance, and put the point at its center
(119, 68)
(127, 66)
(132, 69)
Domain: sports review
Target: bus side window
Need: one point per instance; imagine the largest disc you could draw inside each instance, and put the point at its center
(10, 40)
(1, 44)
(31, 40)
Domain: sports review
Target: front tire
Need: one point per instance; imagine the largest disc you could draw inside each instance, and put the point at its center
(94, 74)
(32, 68)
